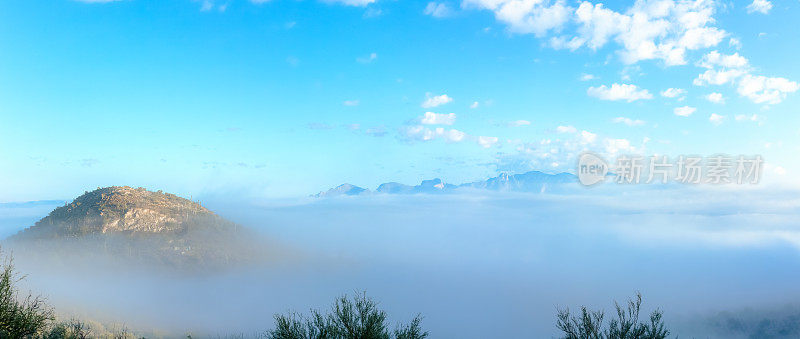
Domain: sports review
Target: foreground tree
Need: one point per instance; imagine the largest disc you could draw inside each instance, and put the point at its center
(356, 318)
(589, 324)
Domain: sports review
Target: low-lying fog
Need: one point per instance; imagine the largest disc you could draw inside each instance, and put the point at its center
(478, 265)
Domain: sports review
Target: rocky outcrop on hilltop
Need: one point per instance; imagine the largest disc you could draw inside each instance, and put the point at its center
(135, 223)
(120, 210)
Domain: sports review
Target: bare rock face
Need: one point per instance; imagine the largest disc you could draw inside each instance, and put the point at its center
(119, 210)
(139, 224)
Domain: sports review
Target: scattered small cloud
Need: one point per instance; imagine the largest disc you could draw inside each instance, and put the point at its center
(368, 58)
(437, 10)
(684, 111)
(435, 101)
(769, 90)
(626, 92)
(629, 121)
(716, 98)
(292, 61)
(519, 123)
(351, 103)
(716, 119)
(588, 137)
(735, 43)
(372, 12)
(615, 146)
(376, 131)
(760, 6)
(487, 142)
(431, 118)
(587, 77)
(422, 133)
(566, 129)
(474, 105)
(749, 118)
(673, 93)
(716, 59)
(355, 3)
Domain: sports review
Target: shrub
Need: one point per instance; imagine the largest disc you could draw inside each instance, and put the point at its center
(356, 318)
(589, 325)
(20, 317)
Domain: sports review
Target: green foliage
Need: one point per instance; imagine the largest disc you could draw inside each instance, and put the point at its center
(72, 329)
(356, 318)
(589, 324)
(20, 317)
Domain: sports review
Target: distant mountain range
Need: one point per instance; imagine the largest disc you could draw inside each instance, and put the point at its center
(533, 181)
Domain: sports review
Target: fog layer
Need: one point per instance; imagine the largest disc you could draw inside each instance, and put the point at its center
(475, 265)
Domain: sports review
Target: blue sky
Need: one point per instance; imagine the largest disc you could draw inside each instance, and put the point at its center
(285, 98)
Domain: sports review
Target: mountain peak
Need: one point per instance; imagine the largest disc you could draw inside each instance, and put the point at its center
(119, 209)
(343, 189)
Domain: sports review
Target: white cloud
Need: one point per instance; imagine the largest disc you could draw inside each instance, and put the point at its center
(714, 58)
(588, 137)
(629, 121)
(744, 117)
(431, 118)
(761, 6)
(357, 3)
(761, 89)
(716, 98)
(372, 12)
(728, 69)
(526, 16)
(422, 133)
(437, 10)
(566, 129)
(487, 142)
(519, 123)
(614, 146)
(206, 5)
(587, 77)
(450, 135)
(367, 59)
(684, 111)
(673, 92)
(716, 119)
(648, 30)
(350, 103)
(735, 43)
(435, 101)
(627, 92)
(474, 105)
(715, 77)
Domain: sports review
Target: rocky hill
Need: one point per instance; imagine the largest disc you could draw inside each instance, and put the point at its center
(139, 224)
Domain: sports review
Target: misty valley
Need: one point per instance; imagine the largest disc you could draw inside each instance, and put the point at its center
(470, 265)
